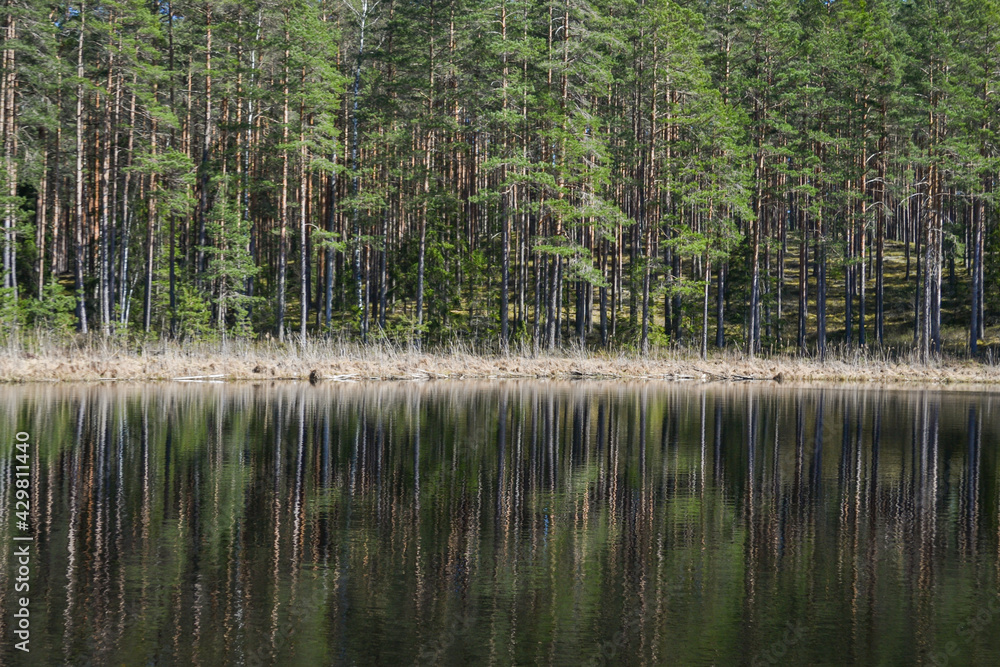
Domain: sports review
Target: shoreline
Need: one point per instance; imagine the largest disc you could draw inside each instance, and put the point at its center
(343, 363)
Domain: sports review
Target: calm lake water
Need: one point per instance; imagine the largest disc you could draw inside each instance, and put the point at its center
(505, 522)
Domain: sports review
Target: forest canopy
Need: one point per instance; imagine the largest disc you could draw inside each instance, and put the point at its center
(779, 174)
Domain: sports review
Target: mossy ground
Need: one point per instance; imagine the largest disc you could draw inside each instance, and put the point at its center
(39, 358)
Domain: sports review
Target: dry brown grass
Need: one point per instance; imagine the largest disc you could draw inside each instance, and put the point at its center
(347, 361)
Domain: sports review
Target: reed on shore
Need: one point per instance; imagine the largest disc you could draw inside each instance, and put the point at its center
(42, 358)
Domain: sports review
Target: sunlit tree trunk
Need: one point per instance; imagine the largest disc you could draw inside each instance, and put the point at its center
(81, 301)
(283, 212)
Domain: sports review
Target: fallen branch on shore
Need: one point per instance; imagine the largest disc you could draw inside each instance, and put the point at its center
(346, 377)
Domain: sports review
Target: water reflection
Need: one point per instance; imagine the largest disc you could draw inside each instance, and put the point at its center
(506, 523)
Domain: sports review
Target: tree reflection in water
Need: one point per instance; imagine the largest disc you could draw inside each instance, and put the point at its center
(506, 522)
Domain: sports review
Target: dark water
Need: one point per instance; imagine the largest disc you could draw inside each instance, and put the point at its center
(468, 523)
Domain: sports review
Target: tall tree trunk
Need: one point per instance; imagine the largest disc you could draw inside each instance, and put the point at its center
(8, 127)
(882, 203)
(504, 195)
(604, 292)
(850, 271)
(753, 327)
(207, 143)
(41, 214)
(821, 290)
(981, 319)
(81, 300)
(58, 256)
(303, 225)
(127, 213)
(104, 273)
(803, 277)
(283, 210)
(720, 306)
(328, 251)
(363, 16)
(918, 292)
(977, 249)
(248, 142)
(383, 289)
(150, 234)
(553, 303)
(704, 314)
(820, 251)
(862, 265)
(422, 250)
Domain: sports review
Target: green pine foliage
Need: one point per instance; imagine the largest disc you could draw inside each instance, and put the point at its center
(585, 172)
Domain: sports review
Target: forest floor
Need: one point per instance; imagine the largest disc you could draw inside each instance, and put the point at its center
(346, 362)
(37, 358)
(900, 296)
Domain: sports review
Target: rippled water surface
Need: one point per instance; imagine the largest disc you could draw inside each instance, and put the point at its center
(505, 522)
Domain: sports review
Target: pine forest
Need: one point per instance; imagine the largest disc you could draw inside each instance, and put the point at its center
(768, 175)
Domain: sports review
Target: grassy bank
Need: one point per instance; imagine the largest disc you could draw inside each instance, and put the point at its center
(95, 360)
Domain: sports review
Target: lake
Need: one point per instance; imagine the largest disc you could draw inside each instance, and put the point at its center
(451, 522)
